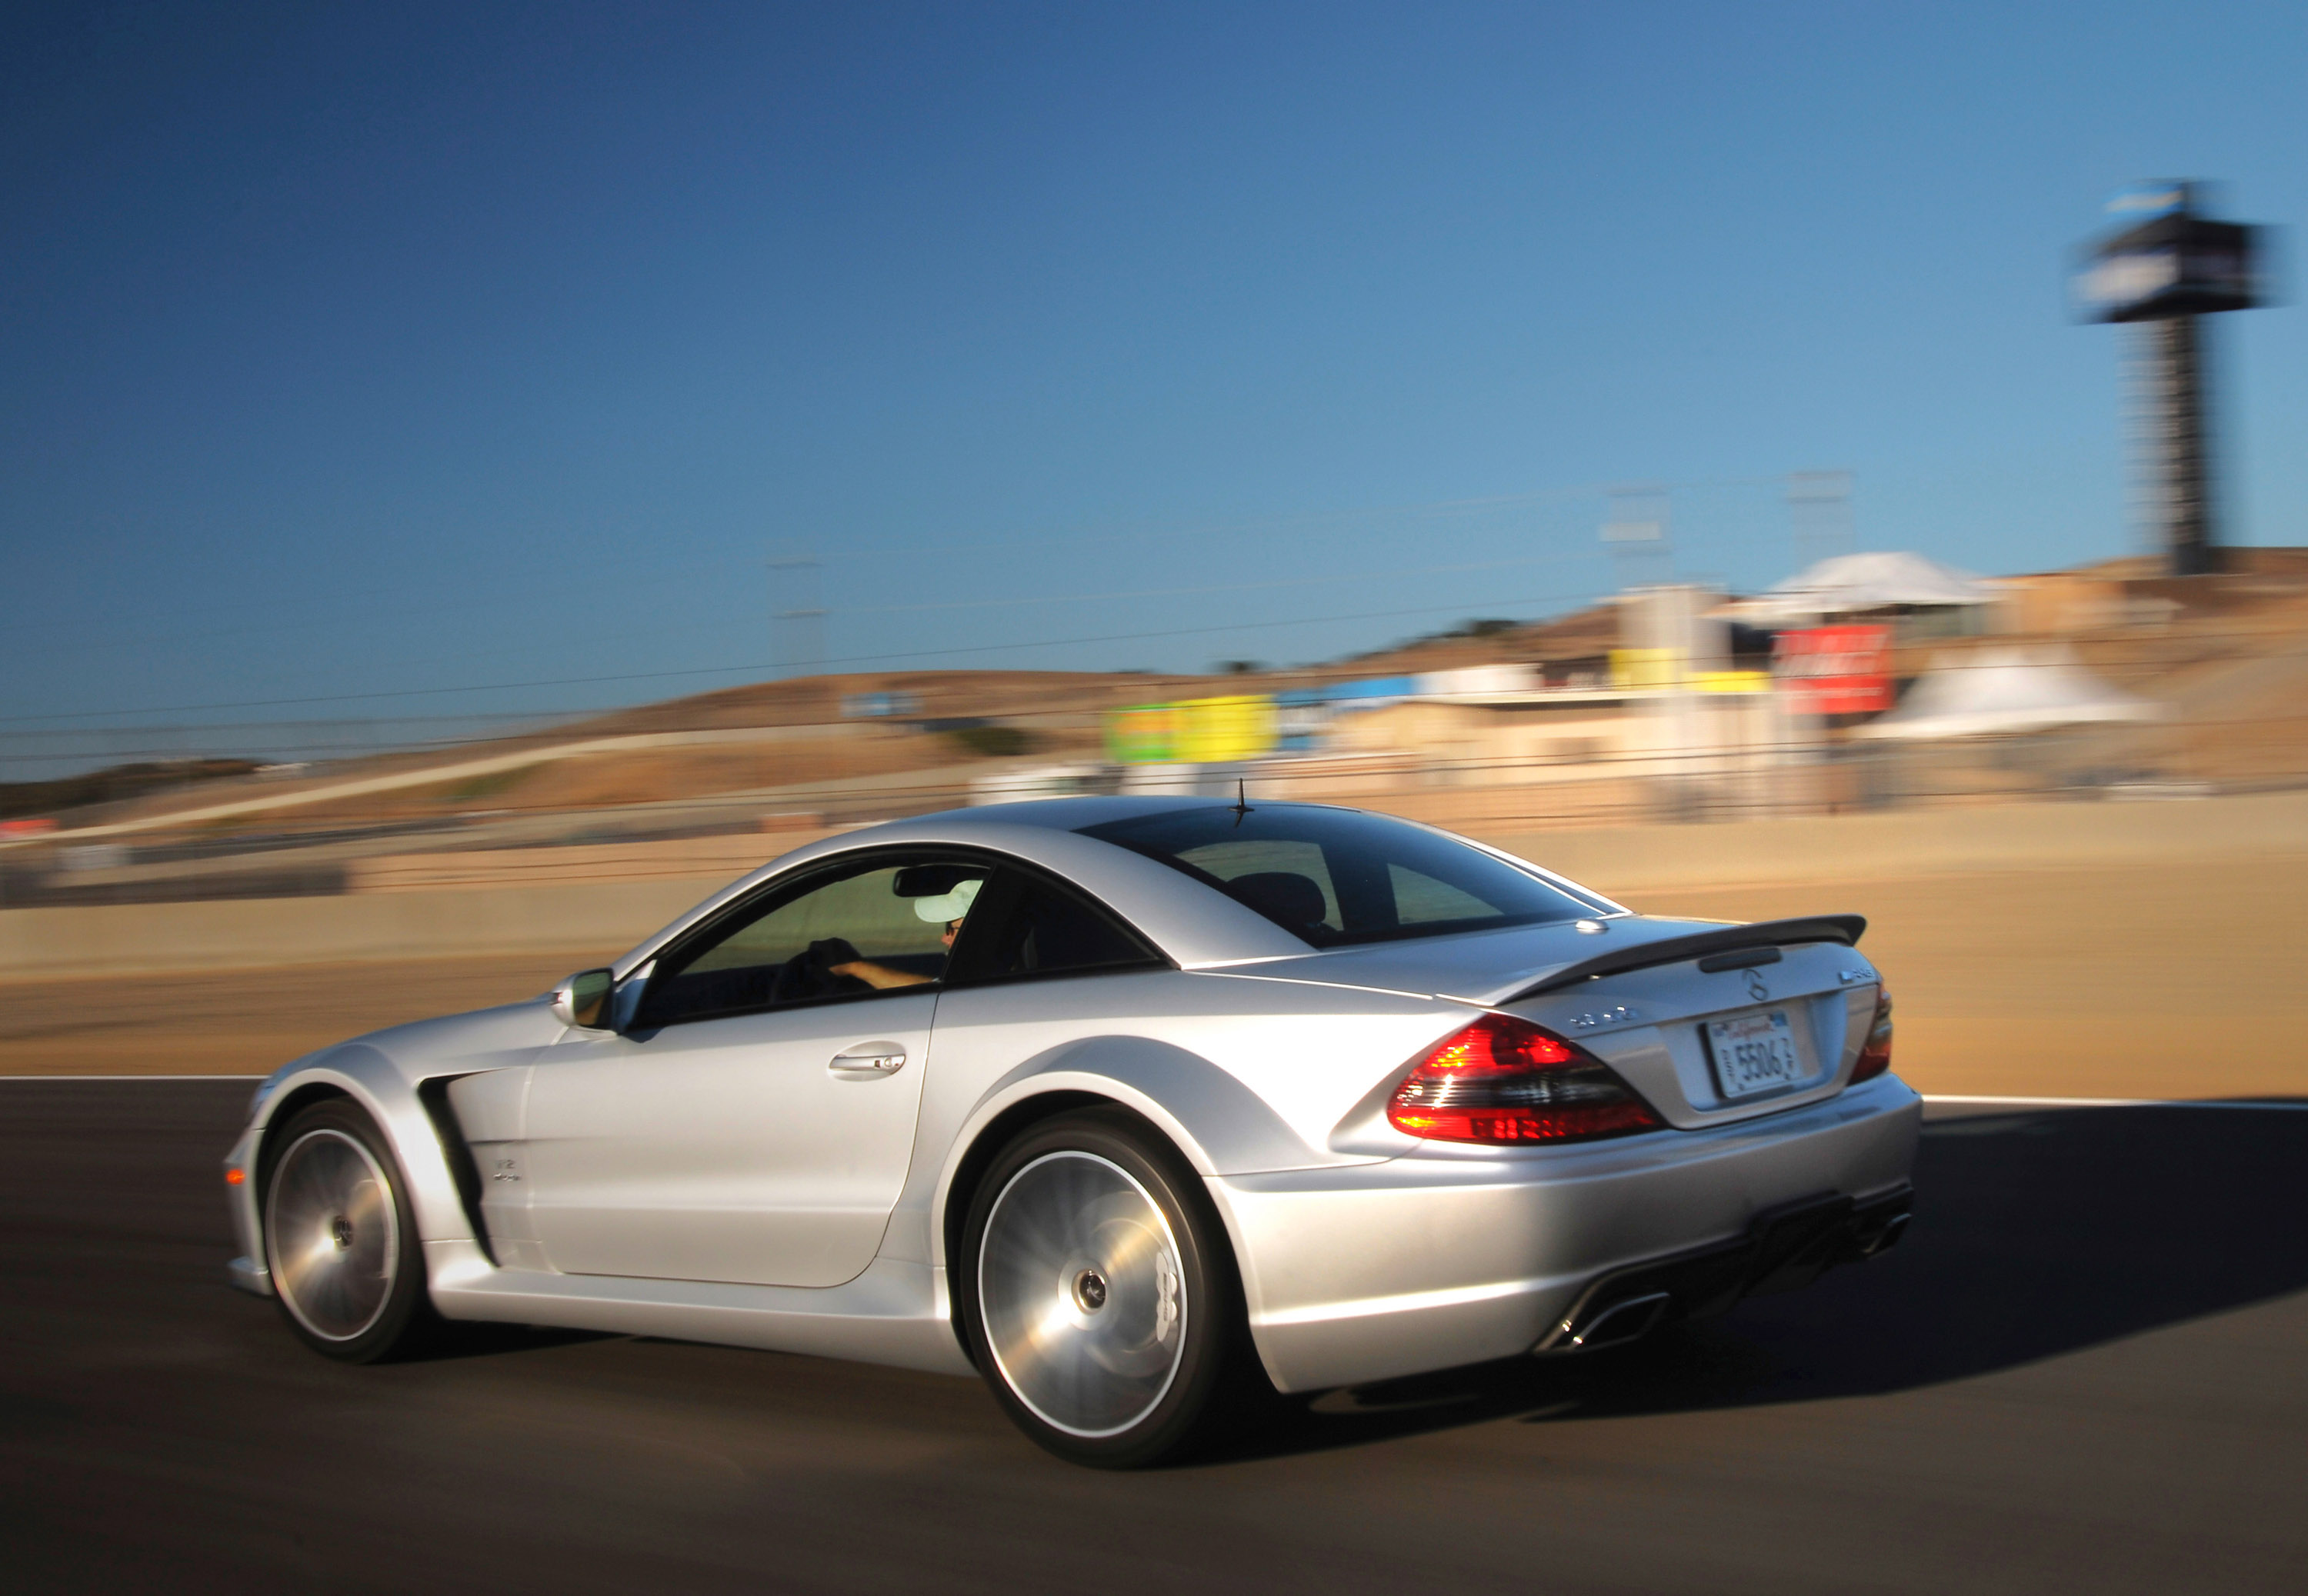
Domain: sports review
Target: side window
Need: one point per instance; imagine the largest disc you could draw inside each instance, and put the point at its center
(1028, 926)
(1288, 882)
(1332, 877)
(878, 927)
(1419, 899)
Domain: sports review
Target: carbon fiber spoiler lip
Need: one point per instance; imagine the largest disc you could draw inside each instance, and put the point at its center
(1845, 929)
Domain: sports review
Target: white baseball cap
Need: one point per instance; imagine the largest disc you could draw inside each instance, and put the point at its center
(948, 905)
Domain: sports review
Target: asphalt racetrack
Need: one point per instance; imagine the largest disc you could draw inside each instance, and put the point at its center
(2086, 1369)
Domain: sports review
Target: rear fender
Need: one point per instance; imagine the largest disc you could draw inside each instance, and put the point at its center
(1217, 1125)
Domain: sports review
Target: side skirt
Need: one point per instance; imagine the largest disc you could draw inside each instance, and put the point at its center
(895, 1313)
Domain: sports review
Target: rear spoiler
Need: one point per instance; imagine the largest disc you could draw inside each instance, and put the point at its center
(1845, 929)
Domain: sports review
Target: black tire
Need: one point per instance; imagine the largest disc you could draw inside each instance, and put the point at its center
(340, 1242)
(1102, 1239)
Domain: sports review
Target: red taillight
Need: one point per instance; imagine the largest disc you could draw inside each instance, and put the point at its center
(1875, 1057)
(1502, 1080)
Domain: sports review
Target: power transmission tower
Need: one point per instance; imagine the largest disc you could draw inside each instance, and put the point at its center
(1637, 536)
(1819, 509)
(796, 611)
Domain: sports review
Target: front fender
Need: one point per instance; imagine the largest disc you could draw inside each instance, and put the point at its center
(381, 1072)
(365, 1073)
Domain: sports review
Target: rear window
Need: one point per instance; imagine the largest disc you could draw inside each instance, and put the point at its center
(1334, 876)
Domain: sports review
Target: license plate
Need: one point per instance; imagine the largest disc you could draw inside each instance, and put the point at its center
(1753, 1053)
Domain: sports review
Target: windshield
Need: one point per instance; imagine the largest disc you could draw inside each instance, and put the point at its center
(1332, 877)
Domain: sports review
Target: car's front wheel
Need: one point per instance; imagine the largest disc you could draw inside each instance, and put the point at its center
(1098, 1292)
(340, 1238)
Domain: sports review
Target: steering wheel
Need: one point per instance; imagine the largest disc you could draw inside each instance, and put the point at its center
(809, 973)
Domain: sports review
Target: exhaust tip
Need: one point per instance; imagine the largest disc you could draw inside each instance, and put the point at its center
(1887, 1238)
(1628, 1319)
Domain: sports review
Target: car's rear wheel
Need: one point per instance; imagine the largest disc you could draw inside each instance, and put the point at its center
(1098, 1294)
(339, 1239)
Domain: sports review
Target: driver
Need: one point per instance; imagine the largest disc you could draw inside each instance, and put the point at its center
(950, 907)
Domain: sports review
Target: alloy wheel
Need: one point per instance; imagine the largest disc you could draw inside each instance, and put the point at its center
(333, 1234)
(1083, 1296)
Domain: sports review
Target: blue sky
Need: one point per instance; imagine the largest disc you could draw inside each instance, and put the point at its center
(354, 357)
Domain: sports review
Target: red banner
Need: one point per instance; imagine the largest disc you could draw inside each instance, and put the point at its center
(1834, 670)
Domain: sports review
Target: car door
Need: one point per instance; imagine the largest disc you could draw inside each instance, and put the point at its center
(753, 1120)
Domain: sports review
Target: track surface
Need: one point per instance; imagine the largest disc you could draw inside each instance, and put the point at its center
(2087, 1368)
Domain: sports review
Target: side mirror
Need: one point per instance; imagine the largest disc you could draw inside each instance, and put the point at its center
(583, 1000)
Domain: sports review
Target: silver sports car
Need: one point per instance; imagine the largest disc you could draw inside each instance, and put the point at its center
(1135, 1107)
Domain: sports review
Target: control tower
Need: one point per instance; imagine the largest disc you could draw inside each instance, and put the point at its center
(2168, 266)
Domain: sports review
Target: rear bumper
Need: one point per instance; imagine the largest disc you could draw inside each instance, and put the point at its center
(1784, 1250)
(1462, 1256)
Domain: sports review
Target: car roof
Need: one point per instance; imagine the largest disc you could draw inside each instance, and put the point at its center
(1188, 920)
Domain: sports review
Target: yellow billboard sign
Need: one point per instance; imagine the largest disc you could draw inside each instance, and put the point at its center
(1193, 730)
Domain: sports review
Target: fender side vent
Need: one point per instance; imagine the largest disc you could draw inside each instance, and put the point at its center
(433, 1094)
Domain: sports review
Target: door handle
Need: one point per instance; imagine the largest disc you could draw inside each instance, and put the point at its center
(869, 1058)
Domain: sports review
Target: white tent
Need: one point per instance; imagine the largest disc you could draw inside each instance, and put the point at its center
(1855, 582)
(2005, 690)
